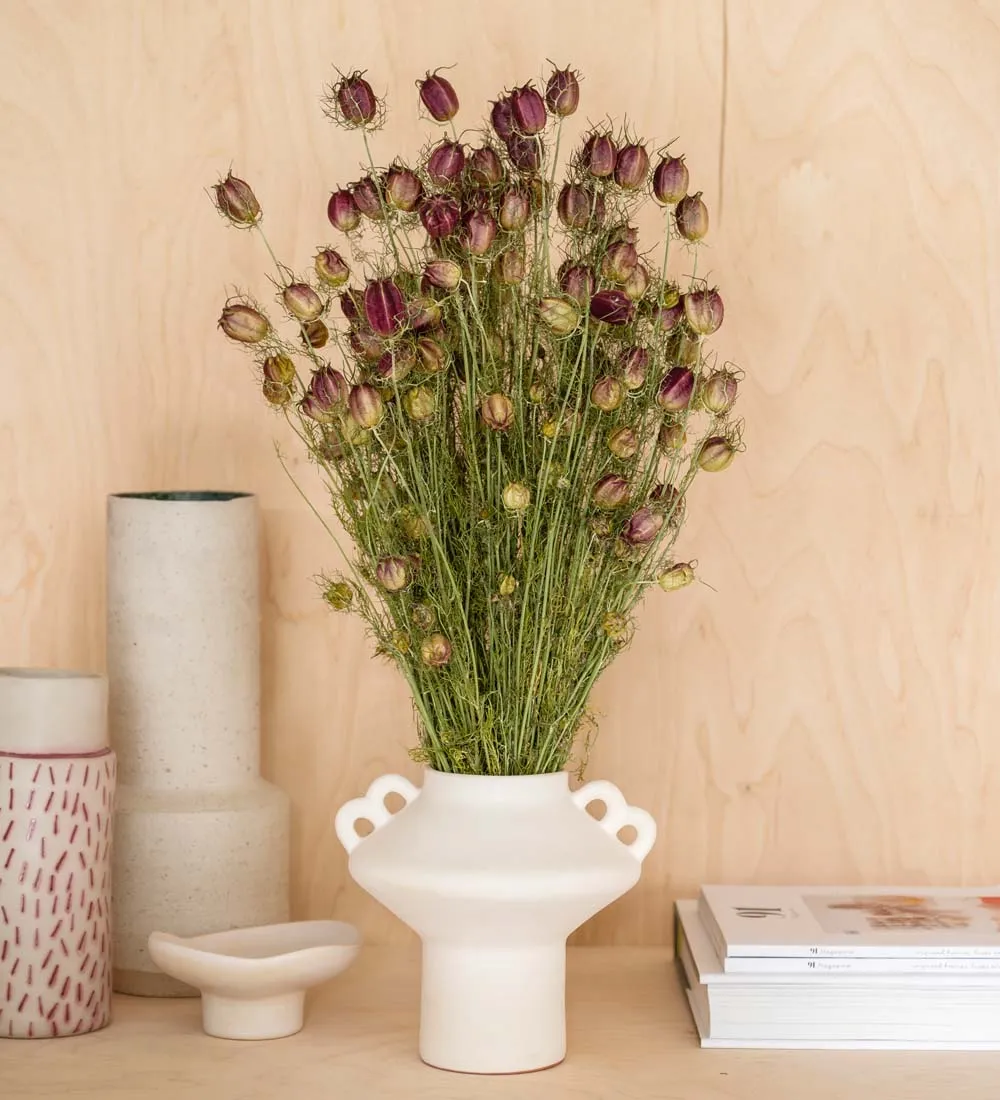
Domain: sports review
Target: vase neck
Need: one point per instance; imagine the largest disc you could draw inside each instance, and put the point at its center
(520, 790)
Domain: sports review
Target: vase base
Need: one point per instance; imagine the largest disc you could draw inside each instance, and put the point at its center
(146, 983)
(496, 1072)
(493, 1010)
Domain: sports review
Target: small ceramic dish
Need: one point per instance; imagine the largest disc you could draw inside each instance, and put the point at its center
(253, 981)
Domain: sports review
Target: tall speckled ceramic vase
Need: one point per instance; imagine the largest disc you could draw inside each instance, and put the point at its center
(201, 840)
(57, 785)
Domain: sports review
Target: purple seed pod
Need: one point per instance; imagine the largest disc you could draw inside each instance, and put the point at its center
(422, 314)
(529, 109)
(631, 166)
(395, 365)
(479, 231)
(343, 211)
(403, 188)
(365, 403)
(637, 283)
(676, 389)
(351, 304)
(244, 324)
(439, 97)
(328, 387)
(704, 310)
(393, 573)
(667, 317)
(612, 307)
(515, 210)
(439, 215)
(331, 268)
(562, 92)
(525, 152)
(356, 100)
(502, 118)
(578, 282)
(578, 207)
(611, 491)
(315, 334)
(366, 345)
(670, 180)
(634, 363)
(367, 198)
(497, 411)
(443, 274)
(619, 262)
(510, 267)
(385, 308)
(643, 527)
(484, 168)
(598, 156)
(691, 217)
(445, 163)
(237, 202)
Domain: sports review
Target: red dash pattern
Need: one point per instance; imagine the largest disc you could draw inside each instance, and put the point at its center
(72, 993)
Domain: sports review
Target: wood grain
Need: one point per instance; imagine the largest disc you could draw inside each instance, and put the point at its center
(822, 708)
(629, 1032)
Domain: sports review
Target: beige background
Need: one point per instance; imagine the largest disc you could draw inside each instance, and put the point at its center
(826, 710)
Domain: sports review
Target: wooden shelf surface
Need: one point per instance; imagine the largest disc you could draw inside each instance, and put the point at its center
(630, 1038)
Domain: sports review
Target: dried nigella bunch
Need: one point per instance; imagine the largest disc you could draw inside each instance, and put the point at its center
(509, 394)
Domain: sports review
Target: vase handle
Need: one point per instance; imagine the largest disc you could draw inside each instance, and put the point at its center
(619, 814)
(371, 807)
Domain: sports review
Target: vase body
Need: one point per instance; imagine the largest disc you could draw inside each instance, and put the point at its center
(57, 786)
(202, 839)
(493, 873)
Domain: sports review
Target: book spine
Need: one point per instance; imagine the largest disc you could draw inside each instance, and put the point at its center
(711, 926)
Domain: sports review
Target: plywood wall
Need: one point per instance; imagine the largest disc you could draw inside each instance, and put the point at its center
(826, 706)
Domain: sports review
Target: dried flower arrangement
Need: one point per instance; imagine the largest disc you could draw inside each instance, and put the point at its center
(520, 403)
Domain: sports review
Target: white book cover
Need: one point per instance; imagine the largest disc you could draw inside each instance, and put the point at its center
(843, 922)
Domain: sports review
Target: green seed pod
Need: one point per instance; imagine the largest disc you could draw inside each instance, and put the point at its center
(302, 302)
(559, 315)
(607, 393)
(516, 497)
(617, 628)
(422, 616)
(420, 404)
(435, 651)
(715, 454)
(339, 595)
(677, 576)
(622, 443)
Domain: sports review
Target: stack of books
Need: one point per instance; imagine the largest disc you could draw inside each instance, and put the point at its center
(842, 967)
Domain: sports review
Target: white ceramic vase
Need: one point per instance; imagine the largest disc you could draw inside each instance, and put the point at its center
(201, 839)
(57, 785)
(494, 873)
